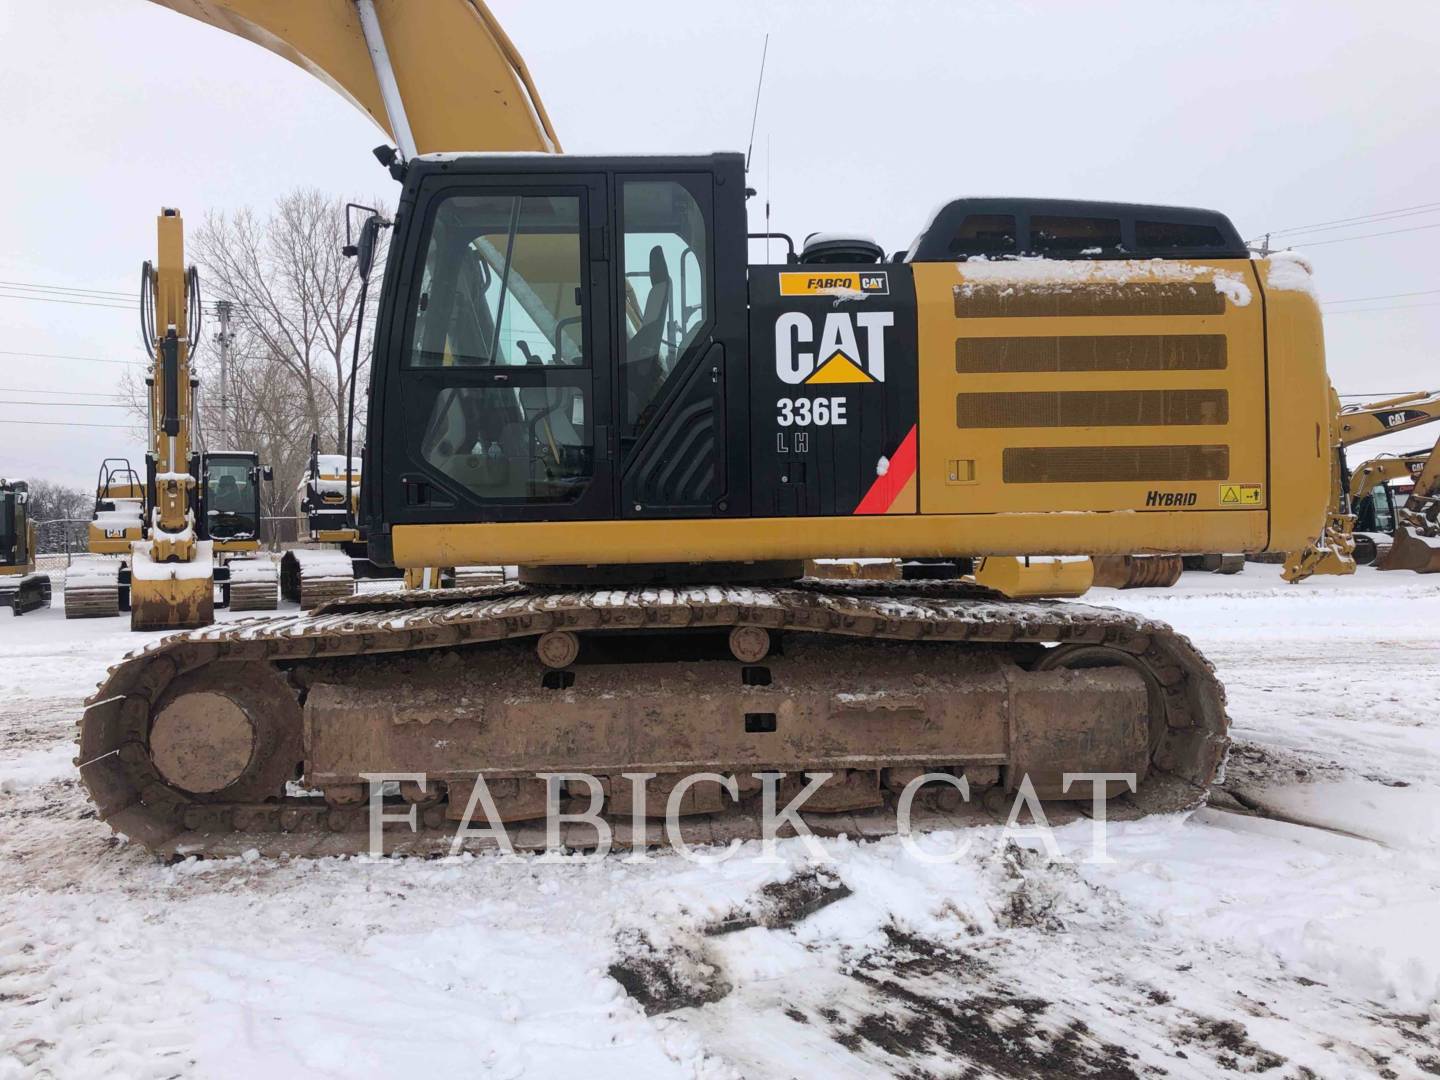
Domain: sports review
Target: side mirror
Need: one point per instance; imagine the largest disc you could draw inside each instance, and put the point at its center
(364, 248)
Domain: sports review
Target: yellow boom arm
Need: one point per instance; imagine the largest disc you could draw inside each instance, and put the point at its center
(1360, 423)
(461, 84)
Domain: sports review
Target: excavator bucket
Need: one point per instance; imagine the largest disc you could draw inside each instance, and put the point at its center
(1035, 577)
(171, 596)
(1411, 550)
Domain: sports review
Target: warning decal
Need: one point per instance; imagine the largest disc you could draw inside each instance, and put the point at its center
(1242, 494)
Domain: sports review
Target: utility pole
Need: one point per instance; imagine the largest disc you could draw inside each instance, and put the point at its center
(222, 308)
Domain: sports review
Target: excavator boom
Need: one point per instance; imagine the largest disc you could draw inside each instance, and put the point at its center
(462, 83)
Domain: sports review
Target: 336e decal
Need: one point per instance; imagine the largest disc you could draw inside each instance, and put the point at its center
(805, 412)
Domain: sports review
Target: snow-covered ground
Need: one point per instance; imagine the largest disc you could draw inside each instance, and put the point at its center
(1214, 944)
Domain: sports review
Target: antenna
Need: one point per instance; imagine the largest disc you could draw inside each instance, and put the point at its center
(755, 114)
(767, 197)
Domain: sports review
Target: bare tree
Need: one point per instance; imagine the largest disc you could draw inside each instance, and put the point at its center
(68, 511)
(296, 298)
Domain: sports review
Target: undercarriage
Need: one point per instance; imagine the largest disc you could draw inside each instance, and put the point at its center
(265, 734)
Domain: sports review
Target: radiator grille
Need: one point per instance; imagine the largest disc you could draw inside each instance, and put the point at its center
(1126, 352)
(1092, 408)
(1164, 298)
(1111, 464)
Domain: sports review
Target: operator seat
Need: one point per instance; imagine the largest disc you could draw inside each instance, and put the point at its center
(227, 495)
(642, 371)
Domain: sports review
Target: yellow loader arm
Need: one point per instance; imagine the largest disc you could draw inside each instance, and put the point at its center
(458, 80)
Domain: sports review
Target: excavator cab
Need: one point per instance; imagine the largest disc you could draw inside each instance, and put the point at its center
(559, 334)
(21, 589)
(230, 499)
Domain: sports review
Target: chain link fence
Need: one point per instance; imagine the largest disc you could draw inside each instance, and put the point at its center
(62, 540)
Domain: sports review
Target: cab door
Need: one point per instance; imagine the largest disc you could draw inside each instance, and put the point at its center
(680, 343)
(505, 367)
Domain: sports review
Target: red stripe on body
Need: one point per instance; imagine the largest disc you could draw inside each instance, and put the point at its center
(884, 491)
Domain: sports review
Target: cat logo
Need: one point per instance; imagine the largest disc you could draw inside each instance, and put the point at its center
(838, 358)
(843, 284)
(1400, 417)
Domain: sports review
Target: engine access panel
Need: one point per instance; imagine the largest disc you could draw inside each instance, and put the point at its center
(834, 390)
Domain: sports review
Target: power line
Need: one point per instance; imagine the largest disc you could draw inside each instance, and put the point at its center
(1365, 236)
(1381, 296)
(86, 301)
(64, 393)
(1380, 307)
(68, 423)
(74, 303)
(70, 404)
(1360, 219)
(62, 356)
(34, 286)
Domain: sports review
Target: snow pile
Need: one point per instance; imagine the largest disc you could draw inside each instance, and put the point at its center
(323, 562)
(93, 572)
(1068, 273)
(1215, 945)
(1290, 272)
(261, 568)
(128, 514)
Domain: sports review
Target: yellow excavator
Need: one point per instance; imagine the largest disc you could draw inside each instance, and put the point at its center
(1377, 514)
(98, 586)
(577, 370)
(1334, 552)
(192, 521)
(21, 588)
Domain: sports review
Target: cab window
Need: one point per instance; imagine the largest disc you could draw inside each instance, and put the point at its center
(667, 292)
(230, 500)
(501, 284)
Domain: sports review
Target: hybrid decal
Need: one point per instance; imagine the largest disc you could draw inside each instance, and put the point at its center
(1171, 498)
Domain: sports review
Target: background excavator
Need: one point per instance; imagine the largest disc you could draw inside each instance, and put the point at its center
(1412, 545)
(193, 520)
(21, 588)
(577, 370)
(1373, 502)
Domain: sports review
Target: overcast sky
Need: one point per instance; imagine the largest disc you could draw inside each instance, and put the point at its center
(1280, 114)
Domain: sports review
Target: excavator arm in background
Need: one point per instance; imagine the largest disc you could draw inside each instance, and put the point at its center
(435, 75)
(1334, 552)
(1417, 529)
(1381, 470)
